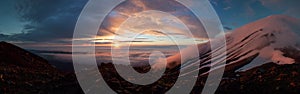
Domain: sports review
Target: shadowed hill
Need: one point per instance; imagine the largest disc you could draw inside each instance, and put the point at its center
(24, 72)
(12, 55)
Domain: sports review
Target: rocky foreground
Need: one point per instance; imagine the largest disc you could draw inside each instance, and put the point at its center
(266, 79)
(23, 72)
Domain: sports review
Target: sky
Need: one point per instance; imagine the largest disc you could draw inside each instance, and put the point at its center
(44, 23)
(10, 23)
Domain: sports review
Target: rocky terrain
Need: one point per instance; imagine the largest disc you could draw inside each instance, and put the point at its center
(24, 72)
(265, 79)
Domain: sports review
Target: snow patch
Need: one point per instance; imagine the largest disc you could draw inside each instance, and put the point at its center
(278, 58)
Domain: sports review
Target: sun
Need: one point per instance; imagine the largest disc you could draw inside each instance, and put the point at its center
(116, 45)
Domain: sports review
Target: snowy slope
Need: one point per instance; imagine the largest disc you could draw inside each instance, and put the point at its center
(266, 36)
(258, 41)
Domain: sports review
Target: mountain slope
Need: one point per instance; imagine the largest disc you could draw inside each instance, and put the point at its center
(258, 41)
(15, 56)
(24, 72)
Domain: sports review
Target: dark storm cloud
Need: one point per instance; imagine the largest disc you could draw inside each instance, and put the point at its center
(48, 20)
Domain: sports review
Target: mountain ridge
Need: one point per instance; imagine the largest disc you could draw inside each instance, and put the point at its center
(262, 38)
(10, 52)
(24, 72)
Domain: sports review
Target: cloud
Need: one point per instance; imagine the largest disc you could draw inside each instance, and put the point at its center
(130, 8)
(136, 41)
(47, 21)
(54, 21)
(227, 8)
(3, 36)
(155, 33)
(103, 43)
(54, 52)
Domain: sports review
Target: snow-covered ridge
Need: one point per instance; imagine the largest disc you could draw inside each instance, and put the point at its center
(266, 35)
(259, 39)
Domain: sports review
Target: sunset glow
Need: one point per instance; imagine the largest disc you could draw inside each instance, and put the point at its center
(150, 46)
(116, 45)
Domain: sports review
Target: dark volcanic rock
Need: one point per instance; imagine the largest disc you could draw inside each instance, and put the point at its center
(24, 72)
(12, 55)
(269, 78)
